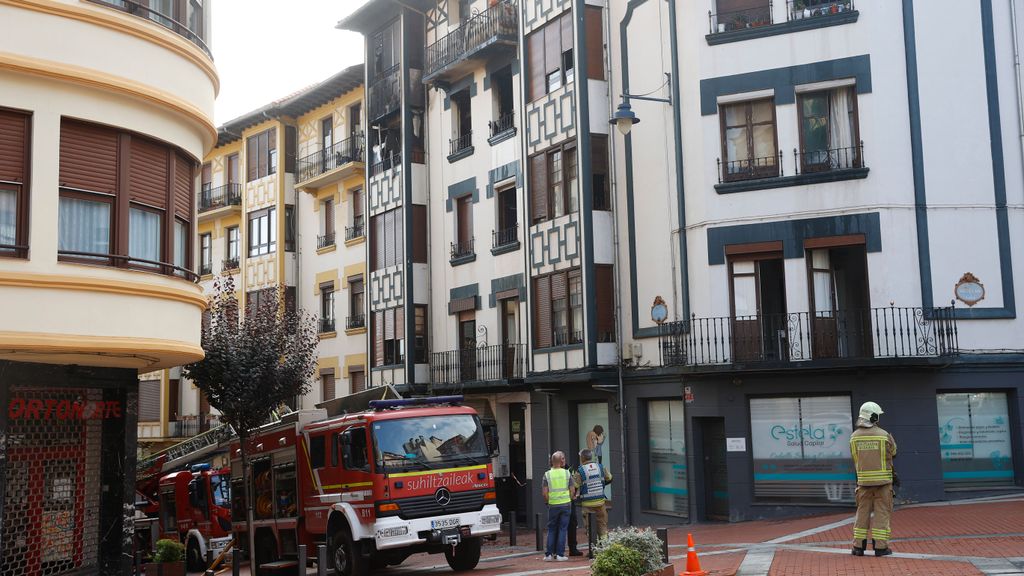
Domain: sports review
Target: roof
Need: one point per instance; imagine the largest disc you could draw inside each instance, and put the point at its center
(294, 104)
(374, 14)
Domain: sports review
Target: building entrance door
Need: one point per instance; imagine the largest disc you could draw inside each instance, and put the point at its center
(517, 458)
(715, 470)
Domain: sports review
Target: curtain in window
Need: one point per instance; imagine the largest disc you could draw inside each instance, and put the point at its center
(823, 285)
(841, 127)
(83, 226)
(8, 216)
(180, 243)
(143, 234)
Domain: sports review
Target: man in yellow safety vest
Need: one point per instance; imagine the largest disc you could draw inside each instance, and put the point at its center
(873, 450)
(558, 492)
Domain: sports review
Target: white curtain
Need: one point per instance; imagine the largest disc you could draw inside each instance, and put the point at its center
(840, 129)
(180, 243)
(83, 226)
(823, 288)
(143, 234)
(8, 216)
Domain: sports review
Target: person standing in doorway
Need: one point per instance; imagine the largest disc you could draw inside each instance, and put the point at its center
(595, 443)
(873, 450)
(558, 492)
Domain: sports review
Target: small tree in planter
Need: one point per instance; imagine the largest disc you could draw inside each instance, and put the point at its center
(254, 363)
(169, 559)
(644, 542)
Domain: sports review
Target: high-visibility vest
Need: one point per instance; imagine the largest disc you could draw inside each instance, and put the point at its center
(592, 476)
(558, 486)
(871, 456)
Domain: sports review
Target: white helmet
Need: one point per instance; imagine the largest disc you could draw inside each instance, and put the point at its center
(869, 409)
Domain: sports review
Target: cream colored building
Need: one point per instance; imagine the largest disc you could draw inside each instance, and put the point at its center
(101, 137)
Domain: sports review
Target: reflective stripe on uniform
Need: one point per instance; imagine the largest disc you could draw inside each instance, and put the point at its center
(592, 476)
(558, 486)
(870, 444)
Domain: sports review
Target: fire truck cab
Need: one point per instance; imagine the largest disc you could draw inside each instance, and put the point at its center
(194, 509)
(405, 476)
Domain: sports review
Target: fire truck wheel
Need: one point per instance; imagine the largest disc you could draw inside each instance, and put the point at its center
(193, 557)
(465, 556)
(346, 555)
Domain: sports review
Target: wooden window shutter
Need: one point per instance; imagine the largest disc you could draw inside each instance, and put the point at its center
(604, 284)
(183, 184)
(539, 187)
(149, 401)
(252, 155)
(542, 312)
(399, 323)
(552, 46)
(13, 145)
(378, 338)
(535, 57)
(358, 378)
(379, 240)
(329, 217)
(88, 157)
(147, 173)
(389, 324)
(399, 236)
(357, 202)
(290, 143)
(327, 379)
(565, 23)
(595, 42)
(558, 286)
(465, 218)
(389, 238)
(419, 232)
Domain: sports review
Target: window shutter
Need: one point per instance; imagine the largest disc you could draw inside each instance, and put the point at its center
(378, 240)
(183, 183)
(329, 217)
(539, 186)
(358, 378)
(378, 338)
(399, 237)
(149, 401)
(147, 173)
(389, 324)
(389, 238)
(599, 164)
(542, 312)
(399, 323)
(535, 57)
(552, 46)
(604, 284)
(465, 215)
(328, 385)
(565, 23)
(419, 233)
(595, 42)
(13, 132)
(252, 155)
(357, 203)
(88, 157)
(290, 138)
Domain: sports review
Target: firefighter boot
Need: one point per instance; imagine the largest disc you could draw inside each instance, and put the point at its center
(880, 551)
(859, 550)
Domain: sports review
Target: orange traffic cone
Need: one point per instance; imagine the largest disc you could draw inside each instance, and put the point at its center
(692, 562)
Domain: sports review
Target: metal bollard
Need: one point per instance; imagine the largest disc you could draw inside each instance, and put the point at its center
(663, 536)
(590, 536)
(512, 528)
(321, 560)
(302, 560)
(209, 557)
(536, 523)
(236, 562)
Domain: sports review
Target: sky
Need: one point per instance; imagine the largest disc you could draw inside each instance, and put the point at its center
(268, 49)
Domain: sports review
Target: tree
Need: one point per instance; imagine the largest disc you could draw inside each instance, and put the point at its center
(253, 365)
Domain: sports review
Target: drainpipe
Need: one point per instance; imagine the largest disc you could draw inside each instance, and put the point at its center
(1017, 74)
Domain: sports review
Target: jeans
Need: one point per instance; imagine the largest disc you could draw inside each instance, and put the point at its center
(558, 523)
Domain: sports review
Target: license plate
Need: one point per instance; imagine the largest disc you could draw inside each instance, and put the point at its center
(446, 523)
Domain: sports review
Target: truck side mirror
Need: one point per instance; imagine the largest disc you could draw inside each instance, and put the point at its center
(491, 438)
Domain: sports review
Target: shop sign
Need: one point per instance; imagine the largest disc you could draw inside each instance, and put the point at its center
(52, 409)
(735, 444)
(687, 394)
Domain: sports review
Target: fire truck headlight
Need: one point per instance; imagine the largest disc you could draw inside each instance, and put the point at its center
(392, 532)
(491, 519)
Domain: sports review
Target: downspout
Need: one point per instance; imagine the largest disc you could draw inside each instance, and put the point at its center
(1017, 75)
(677, 129)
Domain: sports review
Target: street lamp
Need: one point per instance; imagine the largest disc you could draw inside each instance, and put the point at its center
(623, 119)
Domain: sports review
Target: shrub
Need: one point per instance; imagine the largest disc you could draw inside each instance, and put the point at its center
(169, 551)
(617, 560)
(643, 541)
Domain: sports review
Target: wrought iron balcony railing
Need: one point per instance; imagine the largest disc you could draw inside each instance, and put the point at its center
(460, 143)
(326, 325)
(322, 161)
(229, 264)
(863, 335)
(385, 93)
(740, 19)
(504, 123)
(192, 32)
(386, 163)
(505, 236)
(325, 240)
(801, 9)
(750, 168)
(356, 230)
(463, 249)
(829, 159)
(219, 197)
(497, 363)
(500, 20)
(355, 321)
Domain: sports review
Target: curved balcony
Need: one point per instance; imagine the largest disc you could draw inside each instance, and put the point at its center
(188, 11)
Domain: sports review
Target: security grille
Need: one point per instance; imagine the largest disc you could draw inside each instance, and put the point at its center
(51, 500)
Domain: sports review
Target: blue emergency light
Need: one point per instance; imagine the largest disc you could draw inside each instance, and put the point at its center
(410, 402)
(201, 467)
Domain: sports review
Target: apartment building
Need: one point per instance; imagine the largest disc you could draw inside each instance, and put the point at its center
(788, 221)
(99, 163)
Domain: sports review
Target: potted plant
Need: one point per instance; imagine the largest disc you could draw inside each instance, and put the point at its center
(630, 552)
(169, 559)
(800, 10)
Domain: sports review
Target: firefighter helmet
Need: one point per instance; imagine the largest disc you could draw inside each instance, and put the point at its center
(869, 409)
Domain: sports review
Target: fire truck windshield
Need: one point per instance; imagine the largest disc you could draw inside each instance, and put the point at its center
(430, 442)
(220, 488)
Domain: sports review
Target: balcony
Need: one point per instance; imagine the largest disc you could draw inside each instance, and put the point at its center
(229, 264)
(205, 269)
(326, 325)
(754, 17)
(385, 94)
(226, 196)
(327, 166)
(492, 30)
(189, 426)
(875, 336)
(462, 252)
(356, 230)
(460, 147)
(505, 240)
(503, 128)
(325, 240)
(500, 364)
(355, 322)
(809, 167)
(807, 9)
(191, 32)
(758, 22)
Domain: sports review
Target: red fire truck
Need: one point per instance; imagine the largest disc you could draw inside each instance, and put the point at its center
(376, 486)
(195, 510)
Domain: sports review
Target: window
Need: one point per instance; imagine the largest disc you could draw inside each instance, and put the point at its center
(462, 122)
(975, 440)
(841, 322)
(554, 183)
(388, 328)
(357, 378)
(749, 140)
(465, 11)
(550, 56)
(759, 321)
(354, 452)
(232, 170)
(604, 285)
(738, 14)
(256, 299)
(205, 253)
(801, 449)
(503, 101)
(327, 217)
(181, 245)
(356, 302)
(828, 130)
(558, 309)
(463, 227)
(84, 224)
(594, 24)
(355, 120)
(388, 239)
(666, 456)
(261, 154)
(232, 246)
(289, 228)
(599, 172)
(327, 387)
(262, 231)
(508, 218)
(317, 451)
(327, 307)
(327, 133)
(420, 344)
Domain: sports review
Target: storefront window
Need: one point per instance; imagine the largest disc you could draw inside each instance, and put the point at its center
(593, 434)
(802, 449)
(974, 439)
(667, 456)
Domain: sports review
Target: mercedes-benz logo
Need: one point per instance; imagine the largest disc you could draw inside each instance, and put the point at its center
(443, 496)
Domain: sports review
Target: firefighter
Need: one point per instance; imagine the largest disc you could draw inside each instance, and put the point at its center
(873, 450)
(590, 479)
